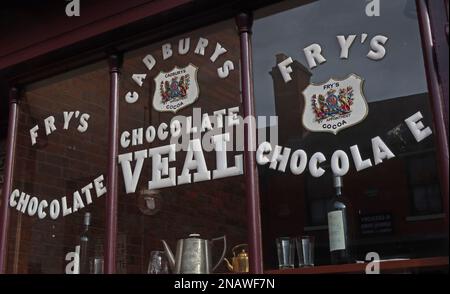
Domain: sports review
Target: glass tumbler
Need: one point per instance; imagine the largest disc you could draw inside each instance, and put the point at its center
(286, 252)
(305, 250)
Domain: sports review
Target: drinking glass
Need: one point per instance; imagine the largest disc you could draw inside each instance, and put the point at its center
(158, 263)
(305, 250)
(286, 252)
(97, 265)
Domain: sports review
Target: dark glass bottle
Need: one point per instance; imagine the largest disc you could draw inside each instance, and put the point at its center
(338, 225)
(86, 243)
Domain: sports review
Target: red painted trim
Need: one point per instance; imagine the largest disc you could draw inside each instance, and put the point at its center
(115, 64)
(9, 173)
(436, 101)
(244, 22)
(439, 28)
(90, 30)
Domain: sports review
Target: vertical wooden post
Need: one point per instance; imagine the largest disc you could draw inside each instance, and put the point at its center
(9, 173)
(244, 22)
(437, 103)
(115, 63)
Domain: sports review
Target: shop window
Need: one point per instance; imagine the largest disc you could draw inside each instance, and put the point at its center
(348, 104)
(190, 75)
(60, 174)
(350, 96)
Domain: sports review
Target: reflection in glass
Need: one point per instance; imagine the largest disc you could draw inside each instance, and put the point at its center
(396, 206)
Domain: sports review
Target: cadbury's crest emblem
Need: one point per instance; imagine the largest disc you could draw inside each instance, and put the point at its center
(176, 89)
(334, 105)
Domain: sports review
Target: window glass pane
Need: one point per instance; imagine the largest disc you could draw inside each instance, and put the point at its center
(328, 99)
(60, 170)
(178, 77)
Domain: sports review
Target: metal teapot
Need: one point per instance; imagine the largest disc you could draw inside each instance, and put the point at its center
(193, 255)
(239, 262)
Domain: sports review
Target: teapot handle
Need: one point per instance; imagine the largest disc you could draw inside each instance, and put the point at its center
(244, 245)
(224, 238)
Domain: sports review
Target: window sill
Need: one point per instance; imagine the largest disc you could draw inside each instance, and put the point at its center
(385, 266)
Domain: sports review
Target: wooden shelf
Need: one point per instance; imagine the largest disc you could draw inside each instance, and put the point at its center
(385, 266)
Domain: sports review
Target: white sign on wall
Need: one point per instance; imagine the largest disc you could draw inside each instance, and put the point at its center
(176, 89)
(334, 105)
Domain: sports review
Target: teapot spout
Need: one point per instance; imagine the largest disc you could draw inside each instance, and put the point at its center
(169, 255)
(228, 264)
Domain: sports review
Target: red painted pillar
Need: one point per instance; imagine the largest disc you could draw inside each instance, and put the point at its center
(244, 22)
(9, 172)
(115, 63)
(437, 103)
